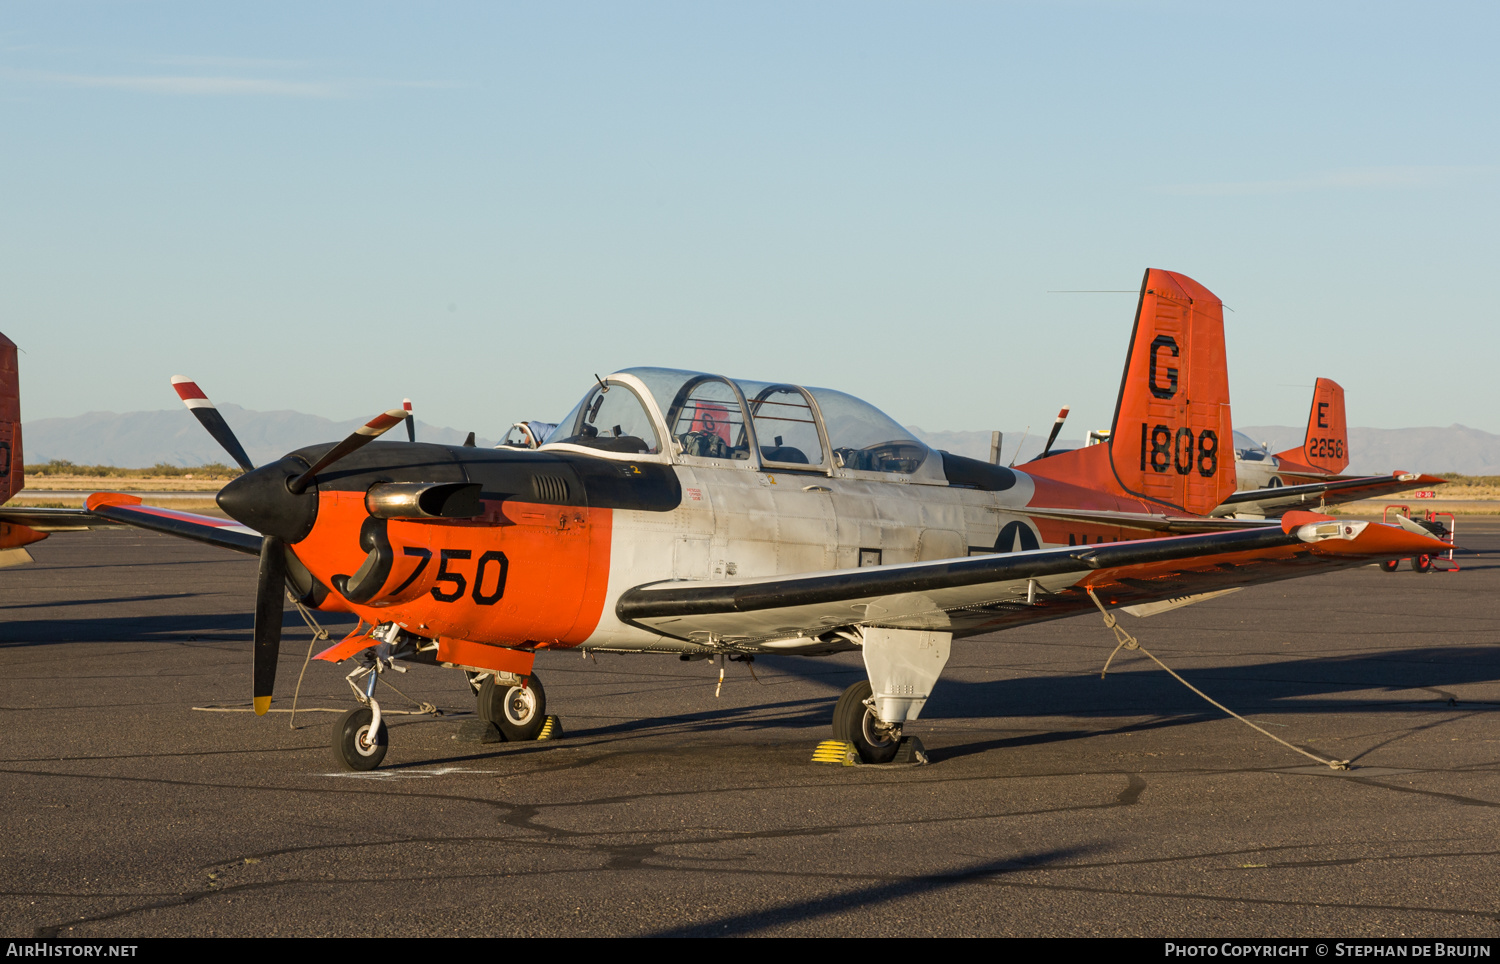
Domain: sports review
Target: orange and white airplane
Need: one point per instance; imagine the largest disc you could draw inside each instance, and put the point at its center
(698, 515)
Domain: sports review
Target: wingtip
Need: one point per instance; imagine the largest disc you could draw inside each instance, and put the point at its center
(99, 499)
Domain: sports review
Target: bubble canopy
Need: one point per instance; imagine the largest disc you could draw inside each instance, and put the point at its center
(697, 415)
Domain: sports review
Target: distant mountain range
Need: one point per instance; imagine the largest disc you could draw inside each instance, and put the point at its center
(1373, 451)
(174, 437)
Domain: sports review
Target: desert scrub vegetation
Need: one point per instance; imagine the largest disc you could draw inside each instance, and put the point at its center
(161, 470)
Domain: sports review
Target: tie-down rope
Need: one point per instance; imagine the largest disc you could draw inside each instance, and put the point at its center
(1126, 641)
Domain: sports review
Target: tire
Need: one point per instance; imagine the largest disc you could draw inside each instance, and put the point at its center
(854, 722)
(1422, 564)
(349, 749)
(1390, 565)
(520, 712)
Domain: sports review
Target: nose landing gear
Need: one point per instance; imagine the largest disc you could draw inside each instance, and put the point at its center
(355, 744)
(360, 737)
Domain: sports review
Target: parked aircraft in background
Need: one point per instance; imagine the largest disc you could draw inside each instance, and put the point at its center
(1309, 475)
(1324, 452)
(22, 526)
(697, 515)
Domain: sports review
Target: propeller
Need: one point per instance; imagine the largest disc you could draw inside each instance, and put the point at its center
(270, 583)
(411, 423)
(204, 410)
(1062, 416)
(358, 439)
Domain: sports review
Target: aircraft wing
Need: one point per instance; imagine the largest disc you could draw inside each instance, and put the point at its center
(1271, 502)
(127, 510)
(986, 593)
(52, 520)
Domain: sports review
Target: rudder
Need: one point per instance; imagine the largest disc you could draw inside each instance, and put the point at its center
(1326, 444)
(1172, 438)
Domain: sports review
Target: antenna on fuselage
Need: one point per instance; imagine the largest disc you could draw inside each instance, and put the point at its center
(1018, 446)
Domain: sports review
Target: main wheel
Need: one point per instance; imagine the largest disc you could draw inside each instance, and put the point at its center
(1390, 565)
(353, 746)
(856, 723)
(519, 711)
(1422, 564)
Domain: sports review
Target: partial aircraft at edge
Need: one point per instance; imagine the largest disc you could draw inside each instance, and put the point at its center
(692, 514)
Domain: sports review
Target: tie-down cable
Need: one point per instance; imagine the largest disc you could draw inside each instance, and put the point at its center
(1126, 641)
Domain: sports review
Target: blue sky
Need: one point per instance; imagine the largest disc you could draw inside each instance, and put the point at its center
(329, 207)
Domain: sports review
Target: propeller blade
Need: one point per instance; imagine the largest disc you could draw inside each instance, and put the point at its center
(1062, 416)
(270, 601)
(192, 396)
(362, 436)
(411, 423)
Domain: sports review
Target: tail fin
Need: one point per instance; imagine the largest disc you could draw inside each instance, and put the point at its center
(12, 466)
(1172, 439)
(1326, 445)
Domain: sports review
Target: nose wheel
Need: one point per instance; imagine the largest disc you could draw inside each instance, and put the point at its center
(358, 745)
(518, 709)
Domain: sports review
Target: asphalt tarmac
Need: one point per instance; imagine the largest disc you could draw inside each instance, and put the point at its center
(1056, 803)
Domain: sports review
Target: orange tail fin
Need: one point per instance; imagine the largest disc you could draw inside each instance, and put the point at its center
(1172, 439)
(12, 466)
(1326, 445)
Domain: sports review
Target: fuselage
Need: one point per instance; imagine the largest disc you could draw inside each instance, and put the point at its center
(564, 531)
(656, 475)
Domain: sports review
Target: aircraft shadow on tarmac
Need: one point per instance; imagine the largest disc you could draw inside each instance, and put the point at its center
(1278, 686)
(862, 899)
(147, 627)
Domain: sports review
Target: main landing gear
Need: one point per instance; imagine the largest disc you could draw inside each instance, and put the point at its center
(902, 665)
(854, 721)
(517, 705)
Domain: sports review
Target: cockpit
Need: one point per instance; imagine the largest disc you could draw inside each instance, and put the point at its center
(691, 416)
(1249, 450)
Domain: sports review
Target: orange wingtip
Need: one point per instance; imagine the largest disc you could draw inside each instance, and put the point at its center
(100, 499)
(1388, 539)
